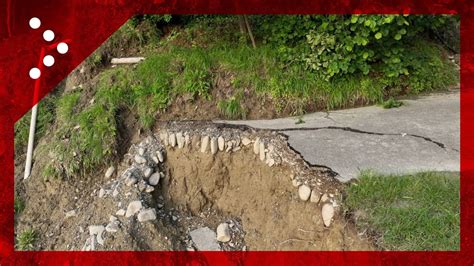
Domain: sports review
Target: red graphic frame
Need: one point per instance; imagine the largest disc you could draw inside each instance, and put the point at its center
(88, 23)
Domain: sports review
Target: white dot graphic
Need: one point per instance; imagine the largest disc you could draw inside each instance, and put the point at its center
(35, 73)
(48, 60)
(35, 23)
(62, 48)
(48, 35)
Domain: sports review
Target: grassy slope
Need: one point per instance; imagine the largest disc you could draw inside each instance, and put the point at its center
(411, 212)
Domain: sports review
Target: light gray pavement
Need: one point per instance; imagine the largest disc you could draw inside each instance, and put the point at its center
(422, 135)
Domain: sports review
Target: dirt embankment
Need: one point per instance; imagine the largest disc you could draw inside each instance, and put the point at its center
(188, 178)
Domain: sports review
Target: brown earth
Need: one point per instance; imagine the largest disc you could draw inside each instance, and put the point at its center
(199, 189)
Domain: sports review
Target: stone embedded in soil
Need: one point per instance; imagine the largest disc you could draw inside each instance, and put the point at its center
(221, 143)
(70, 213)
(147, 172)
(205, 239)
(324, 198)
(97, 230)
(328, 213)
(154, 179)
(146, 215)
(141, 151)
(314, 196)
(223, 232)
(160, 156)
(142, 185)
(172, 139)
(246, 141)
(155, 159)
(296, 183)
(112, 227)
(180, 140)
(140, 159)
(270, 161)
(101, 193)
(133, 208)
(120, 212)
(149, 189)
(213, 145)
(304, 192)
(110, 171)
(112, 218)
(131, 181)
(115, 193)
(262, 151)
(229, 146)
(204, 143)
(256, 146)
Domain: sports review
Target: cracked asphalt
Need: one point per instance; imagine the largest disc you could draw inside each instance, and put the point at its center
(421, 135)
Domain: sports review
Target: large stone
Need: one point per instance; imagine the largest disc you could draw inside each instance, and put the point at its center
(133, 208)
(180, 140)
(147, 172)
(160, 156)
(172, 139)
(205, 239)
(146, 215)
(221, 143)
(97, 230)
(204, 143)
(223, 232)
(213, 145)
(110, 171)
(140, 159)
(314, 196)
(328, 213)
(304, 192)
(256, 146)
(262, 151)
(154, 179)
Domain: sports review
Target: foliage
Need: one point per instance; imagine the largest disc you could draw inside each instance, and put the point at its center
(410, 212)
(231, 108)
(334, 45)
(26, 240)
(18, 205)
(391, 103)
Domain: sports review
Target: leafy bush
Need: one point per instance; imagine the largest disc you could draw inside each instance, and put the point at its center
(334, 45)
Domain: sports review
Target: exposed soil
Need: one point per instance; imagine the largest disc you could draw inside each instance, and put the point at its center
(198, 190)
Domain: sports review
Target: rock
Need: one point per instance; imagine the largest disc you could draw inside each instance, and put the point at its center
(141, 151)
(262, 151)
(97, 230)
(205, 239)
(221, 143)
(131, 181)
(180, 140)
(110, 171)
(149, 189)
(140, 159)
(154, 179)
(256, 146)
(112, 218)
(142, 185)
(246, 141)
(314, 196)
(213, 145)
(115, 193)
(101, 193)
(270, 162)
(304, 192)
(133, 208)
(160, 156)
(229, 146)
(70, 213)
(112, 227)
(166, 139)
(204, 143)
(324, 198)
(120, 212)
(147, 172)
(296, 183)
(223, 233)
(172, 139)
(328, 213)
(146, 215)
(187, 139)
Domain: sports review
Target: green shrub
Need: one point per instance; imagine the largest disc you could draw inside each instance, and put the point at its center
(26, 240)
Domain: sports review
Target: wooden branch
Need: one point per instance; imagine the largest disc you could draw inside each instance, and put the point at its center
(250, 31)
(127, 60)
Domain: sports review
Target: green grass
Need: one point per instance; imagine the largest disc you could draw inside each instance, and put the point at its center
(231, 108)
(410, 212)
(26, 240)
(18, 205)
(391, 103)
